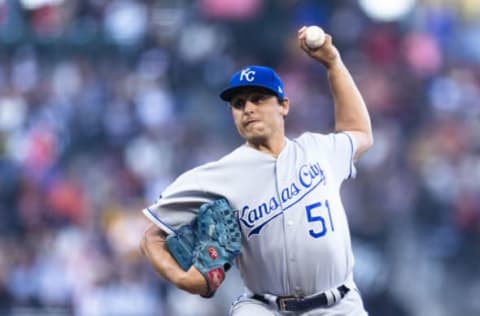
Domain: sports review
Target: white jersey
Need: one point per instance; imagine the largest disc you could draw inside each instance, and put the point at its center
(296, 239)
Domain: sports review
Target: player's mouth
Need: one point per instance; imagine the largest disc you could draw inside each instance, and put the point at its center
(250, 122)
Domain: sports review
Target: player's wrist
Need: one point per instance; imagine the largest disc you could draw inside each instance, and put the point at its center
(334, 64)
(193, 281)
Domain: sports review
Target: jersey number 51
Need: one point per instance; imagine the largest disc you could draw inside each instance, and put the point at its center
(314, 215)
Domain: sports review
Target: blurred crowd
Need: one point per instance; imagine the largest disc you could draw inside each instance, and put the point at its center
(104, 102)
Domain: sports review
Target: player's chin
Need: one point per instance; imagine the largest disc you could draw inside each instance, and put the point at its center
(254, 135)
(256, 139)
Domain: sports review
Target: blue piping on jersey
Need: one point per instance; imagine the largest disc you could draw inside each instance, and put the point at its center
(351, 155)
(257, 229)
(158, 221)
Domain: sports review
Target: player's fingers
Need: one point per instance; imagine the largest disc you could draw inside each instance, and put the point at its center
(302, 29)
(301, 42)
(304, 47)
(302, 33)
(328, 40)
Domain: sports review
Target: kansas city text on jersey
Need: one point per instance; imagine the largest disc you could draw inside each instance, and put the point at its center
(309, 176)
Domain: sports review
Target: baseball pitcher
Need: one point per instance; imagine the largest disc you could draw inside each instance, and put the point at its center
(272, 206)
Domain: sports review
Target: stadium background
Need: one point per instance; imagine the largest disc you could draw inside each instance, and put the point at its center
(103, 102)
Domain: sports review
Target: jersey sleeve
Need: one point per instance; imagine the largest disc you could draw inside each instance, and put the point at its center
(179, 202)
(338, 149)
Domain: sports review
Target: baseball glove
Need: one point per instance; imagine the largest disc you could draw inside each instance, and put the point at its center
(210, 242)
(181, 245)
(218, 242)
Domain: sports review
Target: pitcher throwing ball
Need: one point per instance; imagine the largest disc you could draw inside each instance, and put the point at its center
(272, 206)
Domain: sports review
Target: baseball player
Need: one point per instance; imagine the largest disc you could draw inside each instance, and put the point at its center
(296, 256)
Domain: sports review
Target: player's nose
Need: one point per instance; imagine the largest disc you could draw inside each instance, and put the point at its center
(249, 106)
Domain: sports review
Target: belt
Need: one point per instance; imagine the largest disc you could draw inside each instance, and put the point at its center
(298, 304)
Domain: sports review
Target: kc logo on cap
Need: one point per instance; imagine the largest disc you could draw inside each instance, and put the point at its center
(254, 76)
(247, 74)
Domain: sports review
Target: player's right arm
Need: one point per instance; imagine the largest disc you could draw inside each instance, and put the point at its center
(154, 248)
(351, 114)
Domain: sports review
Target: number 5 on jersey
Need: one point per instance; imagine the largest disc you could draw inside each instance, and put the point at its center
(316, 213)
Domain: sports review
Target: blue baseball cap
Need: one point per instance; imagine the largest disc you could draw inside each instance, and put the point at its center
(254, 76)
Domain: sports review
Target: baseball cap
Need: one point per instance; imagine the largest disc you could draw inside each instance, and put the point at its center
(254, 76)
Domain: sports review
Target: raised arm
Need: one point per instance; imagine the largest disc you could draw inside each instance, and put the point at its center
(154, 248)
(351, 114)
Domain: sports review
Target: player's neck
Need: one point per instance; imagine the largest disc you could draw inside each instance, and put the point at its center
(272, 147)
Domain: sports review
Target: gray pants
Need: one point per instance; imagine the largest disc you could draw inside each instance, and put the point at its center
(350, 305)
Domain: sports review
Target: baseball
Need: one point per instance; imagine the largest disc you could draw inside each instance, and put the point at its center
(314, 37)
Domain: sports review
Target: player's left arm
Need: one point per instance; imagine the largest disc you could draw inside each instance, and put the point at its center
(351, 114)
(195, 256)
(154, 248)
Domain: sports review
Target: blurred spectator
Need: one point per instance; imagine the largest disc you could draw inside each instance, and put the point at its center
(102, 102)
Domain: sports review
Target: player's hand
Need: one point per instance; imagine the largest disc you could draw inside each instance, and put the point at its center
(327, 54)
(194, 282)
(154, 248)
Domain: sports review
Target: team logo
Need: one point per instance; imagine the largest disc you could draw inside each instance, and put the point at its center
(212, 252)
(247, 74)
(254, 217)
(216, 277)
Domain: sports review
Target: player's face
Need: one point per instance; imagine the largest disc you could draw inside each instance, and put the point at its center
(258, 115)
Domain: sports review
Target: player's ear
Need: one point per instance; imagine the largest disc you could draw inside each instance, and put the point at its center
(284, 107)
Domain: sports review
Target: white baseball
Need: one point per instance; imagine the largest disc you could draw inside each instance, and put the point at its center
(314, 36)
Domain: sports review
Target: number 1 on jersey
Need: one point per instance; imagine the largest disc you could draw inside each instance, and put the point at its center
(319, 218)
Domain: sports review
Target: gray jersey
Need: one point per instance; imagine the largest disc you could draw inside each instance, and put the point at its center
(296, 238)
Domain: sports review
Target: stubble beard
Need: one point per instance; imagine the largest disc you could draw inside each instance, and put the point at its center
(255, 138)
